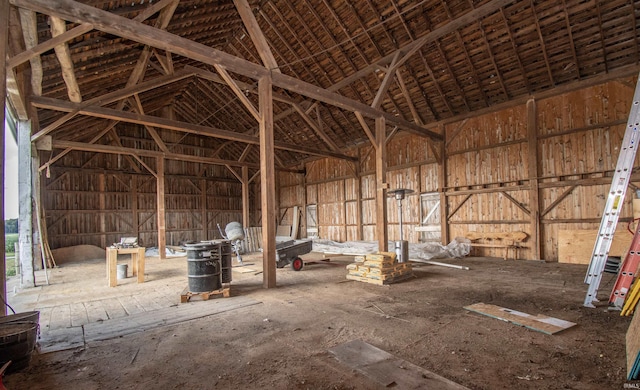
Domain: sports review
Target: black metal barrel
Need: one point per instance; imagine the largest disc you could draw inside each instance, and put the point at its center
(203, 270)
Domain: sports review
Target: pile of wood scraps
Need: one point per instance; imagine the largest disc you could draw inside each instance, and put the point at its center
(380, 268)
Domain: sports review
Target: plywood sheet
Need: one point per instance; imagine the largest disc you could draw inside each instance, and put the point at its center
(540, 323)
(388, 370)
(576, 246)
(636, 208)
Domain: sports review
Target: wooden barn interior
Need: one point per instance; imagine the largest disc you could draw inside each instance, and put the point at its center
(161, 120)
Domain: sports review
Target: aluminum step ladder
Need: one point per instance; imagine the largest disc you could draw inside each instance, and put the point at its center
(615, 200)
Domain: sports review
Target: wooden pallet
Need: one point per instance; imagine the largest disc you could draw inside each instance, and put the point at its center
(186, 295)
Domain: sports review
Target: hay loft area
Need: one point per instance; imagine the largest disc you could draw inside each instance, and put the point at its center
(508, 125)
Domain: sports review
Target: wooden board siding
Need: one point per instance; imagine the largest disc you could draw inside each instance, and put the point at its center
(579, 134)
(72, 200)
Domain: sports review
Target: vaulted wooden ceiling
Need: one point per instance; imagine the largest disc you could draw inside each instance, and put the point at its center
(423, 62)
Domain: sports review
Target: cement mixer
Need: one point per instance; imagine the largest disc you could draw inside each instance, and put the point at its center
(234, 233)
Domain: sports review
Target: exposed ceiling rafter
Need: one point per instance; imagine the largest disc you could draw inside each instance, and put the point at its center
(113, 24)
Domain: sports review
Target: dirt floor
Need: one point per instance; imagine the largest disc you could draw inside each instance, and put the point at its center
(283, 342)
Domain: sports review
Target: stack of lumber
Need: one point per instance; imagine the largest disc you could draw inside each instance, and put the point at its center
(380, 268)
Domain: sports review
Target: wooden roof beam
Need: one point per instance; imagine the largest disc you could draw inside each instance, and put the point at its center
(319, 132)
(153, 132)
(113, 24)
(515, 49)
(108, 149)
(30, 34)
(15, 95)
(59, 27)
(38, 49)
(130, 158)
(239, 93)
(258, 38)
(133, 78)
(75, 32)
(107, 113)
(407, 98)
(166, 66)
(13, 81)
(366, 128)
(276, 96)
(466, 53)
(493, 61)
(436, 84)
(542, 44)
(413, 47)
(571, 40)
(604, 47)
(386, 82)
(404, 53)
(161, 23)
(115, 96)
(66, 151)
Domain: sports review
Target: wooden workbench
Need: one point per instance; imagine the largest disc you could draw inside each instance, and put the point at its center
(137, 263)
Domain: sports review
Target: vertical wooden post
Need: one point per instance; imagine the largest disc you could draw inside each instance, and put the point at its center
(381, 185)
(102, 203)
(267, 182)
(359, 233)
(25, 204)
(345, 225)
(135, 221)
(304, 202)
(245, 198)
(4, 34)
(162, 228)
(442, 188)
(204, 213)
(534, 195)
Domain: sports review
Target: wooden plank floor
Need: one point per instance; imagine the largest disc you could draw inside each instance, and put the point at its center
(78, 294)
(77, 306)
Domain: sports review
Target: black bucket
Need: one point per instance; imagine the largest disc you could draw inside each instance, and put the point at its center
(203, 271)
(18, 335)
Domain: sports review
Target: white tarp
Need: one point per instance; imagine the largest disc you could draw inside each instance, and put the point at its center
(457, 248)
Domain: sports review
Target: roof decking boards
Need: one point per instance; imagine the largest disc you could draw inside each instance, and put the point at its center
(451, 59)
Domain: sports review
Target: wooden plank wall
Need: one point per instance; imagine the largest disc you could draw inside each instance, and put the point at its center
(292, 189)
(345, 192)
(487, 178)
(580, 136)
(99, 207)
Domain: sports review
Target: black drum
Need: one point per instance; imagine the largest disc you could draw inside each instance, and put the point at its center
(203, 269)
